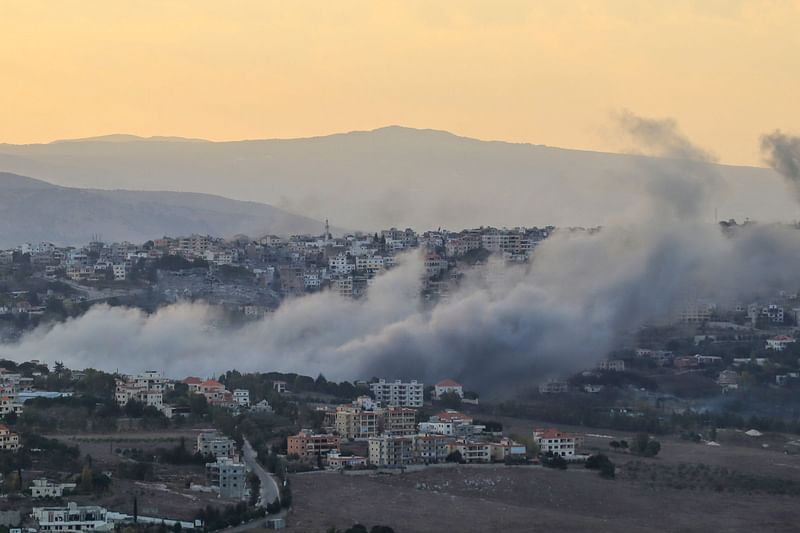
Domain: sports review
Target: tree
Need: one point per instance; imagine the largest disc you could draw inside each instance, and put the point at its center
(614, 445)
(450, 400)
(87, 479)
(454, 457)
(603, 464)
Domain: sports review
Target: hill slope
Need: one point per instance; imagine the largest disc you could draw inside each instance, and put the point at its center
(32, 210)
(391, 176)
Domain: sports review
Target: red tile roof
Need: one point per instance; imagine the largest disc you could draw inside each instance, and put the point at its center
(448, 383)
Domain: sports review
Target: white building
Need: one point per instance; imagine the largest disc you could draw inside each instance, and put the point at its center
(615, 365)
(72, 517)
(555, 441)
(780, 342)
(553, 386)
(44, 488)
(447, 386)
(242, 397)
(404, 394)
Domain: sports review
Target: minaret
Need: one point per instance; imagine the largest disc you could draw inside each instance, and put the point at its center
(327, 231)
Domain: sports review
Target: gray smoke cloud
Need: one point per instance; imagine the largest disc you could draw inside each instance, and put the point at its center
(782, 153)
(503, 327)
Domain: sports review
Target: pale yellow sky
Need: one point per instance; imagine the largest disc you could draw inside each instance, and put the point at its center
(546, 72)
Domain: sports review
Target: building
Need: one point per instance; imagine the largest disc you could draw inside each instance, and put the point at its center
(309, 446)
(398, 421)
(228, 478)
(448, 386)
(473, 451)
(43, 488)
(9, 441)
(356, 422)
(147, 388)
(242, 397)
(431, 448)
(391, 451)
(555, 442)
(262, 407)
(728, 380)
(780, 342)
(215, 445)
(399, 393)
(279, 386)
(336, 461)
(614, 365)
(553, 386)
(72, 517)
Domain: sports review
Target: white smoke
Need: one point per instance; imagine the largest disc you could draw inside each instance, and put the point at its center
(504, 326)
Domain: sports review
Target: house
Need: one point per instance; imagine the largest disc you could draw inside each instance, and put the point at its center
(43, 488)
(262, 407)
(448, 386)
(279, 386)
(614, 365)
(780, 342)
(72, 517)
(473, 451)
(553, 386)
(242, 397)
(9, 441)
(555, 442)
(336, 461)
(728, 380)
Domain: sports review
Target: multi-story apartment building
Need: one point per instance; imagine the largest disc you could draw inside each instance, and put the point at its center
(398, 421)
(431, 448)
(355, 422)
(228, 478)
(308, 445)
(391, 451)
(242, 397)
(147, 388)
(399, 393)
(473, 451)
(216, 445)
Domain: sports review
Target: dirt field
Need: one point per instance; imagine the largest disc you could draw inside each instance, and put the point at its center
(510, 499)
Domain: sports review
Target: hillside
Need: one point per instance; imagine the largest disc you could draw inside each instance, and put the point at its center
(392, 176)
(32, 210)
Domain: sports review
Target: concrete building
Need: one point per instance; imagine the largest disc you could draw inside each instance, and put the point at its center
(615, 365)
(44, 488)
(216, 445)
(553, 386)
(72, 517)
(431, 448)
(355, 422)
(391, 451)
(399, 393)
(398, 421)
(228, 478)
(309, 446)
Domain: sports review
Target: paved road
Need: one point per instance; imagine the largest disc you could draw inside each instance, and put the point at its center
(269, 485)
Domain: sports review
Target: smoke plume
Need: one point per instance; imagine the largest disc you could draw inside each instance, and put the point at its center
(782, 152)
(502, 327)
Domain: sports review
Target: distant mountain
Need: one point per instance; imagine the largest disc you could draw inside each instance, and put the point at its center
(32, 210)
(392, 176)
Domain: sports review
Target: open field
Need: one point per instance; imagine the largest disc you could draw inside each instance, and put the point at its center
(498, 498)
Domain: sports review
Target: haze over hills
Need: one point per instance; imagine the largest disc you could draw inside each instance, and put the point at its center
(32, 210)
(394, 176)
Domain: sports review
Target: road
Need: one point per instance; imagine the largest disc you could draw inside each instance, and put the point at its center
(269, 485)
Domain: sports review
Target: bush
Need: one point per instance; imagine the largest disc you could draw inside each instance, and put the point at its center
(603, 464)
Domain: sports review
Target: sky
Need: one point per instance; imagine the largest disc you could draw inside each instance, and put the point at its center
(545, 72)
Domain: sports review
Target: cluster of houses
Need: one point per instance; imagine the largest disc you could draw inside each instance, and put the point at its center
(291, 266)
(149, 388)
(388, 426)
